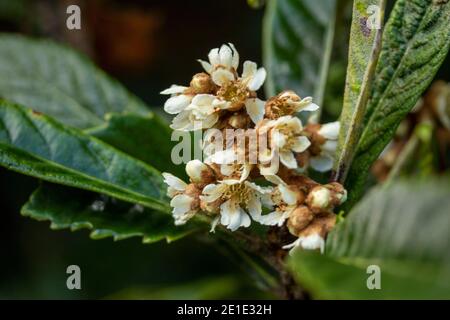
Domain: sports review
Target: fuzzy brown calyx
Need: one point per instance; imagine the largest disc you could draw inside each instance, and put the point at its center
(282, 104)
(299, 219)
(202, 83)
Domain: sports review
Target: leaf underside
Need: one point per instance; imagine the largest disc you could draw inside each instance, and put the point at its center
(76, 209)
(415, 42)
(297, 45)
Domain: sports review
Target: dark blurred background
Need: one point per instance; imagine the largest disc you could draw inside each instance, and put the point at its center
(147, 46)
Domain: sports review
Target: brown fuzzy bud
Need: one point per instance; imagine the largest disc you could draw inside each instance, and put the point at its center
(321, 225)
(282, 104)
(202, 83)
(194, 192)
(338, 193)
(299, 219)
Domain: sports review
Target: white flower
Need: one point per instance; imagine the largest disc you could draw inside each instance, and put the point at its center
(285, 135)
(181, 203)
(232, 164)
(285, 202)
(178, 101)
(222, 64)
(311, 242)
(324, 160)
(197, 171)
(235, 92)
(237, 201)
(200, 112)
(293, 102)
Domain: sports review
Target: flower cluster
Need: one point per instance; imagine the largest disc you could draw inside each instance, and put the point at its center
(228, 185)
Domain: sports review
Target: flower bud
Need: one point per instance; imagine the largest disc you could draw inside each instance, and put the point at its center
(201, 83)
(199, 172)
(319, 199)
(299, 219)
(338, 193)
(238, 121)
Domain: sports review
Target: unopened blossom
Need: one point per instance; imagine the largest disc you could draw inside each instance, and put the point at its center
(286, 138)
(288, 103)
(183, 201)
(199, 172)
(234, 201)
(199, 114)
(324, 143)
(313, 236)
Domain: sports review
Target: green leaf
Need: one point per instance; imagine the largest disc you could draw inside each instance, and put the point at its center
(365, 45)
(78, 209)
(36, 145)
(58, 81)
(415, 42)
(146, 137)
(402, 228)
(297, 42)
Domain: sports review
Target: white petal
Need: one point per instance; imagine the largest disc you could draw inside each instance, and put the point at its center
(255, 109)
(306, 104)
(226, 56)
(278, 139)
(214, 224)
(206, 65)
(212, 192)
(321, 163)
(222, 76)
(227, 169)
(274, 179)
(233, 216)
(258, 79)
(289, 196)
(273, 218)
(176, 104)
(259, 189)
(214, 57)
(295, 124)
(313, 242)
(293, 245)
(246, 169)
(329, 146)
(310, 107)
(203, 100)
(330, 130)
(181, 204)
(301, 144)
(182, 121)
(271, 170)
(287, 158)
(227, 156)
(249, 69)
(209, 121)
(254, 208)
(174, 89)
(235, 62)
(174, 182)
